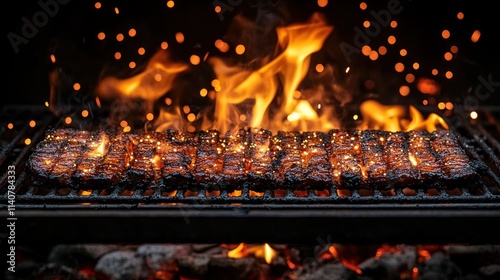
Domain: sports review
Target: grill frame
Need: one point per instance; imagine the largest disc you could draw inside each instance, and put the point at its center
(288, 224)
(442, 216)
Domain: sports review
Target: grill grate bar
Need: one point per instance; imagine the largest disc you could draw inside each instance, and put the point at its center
(116, 196)
(479, 144)
(491, 177)
(478, 133)
(492, 142)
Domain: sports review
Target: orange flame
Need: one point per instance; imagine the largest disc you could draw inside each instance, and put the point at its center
(156, 80)
(264, 251)
(344, 262)
(397, 118)
(101, 148)
(168, 120)
(296, 43)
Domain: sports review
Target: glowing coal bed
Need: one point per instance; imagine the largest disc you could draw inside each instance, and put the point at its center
(259, 261)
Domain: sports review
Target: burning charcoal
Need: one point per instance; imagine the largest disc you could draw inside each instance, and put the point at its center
(120, 265)
(402, 171)
(473, 256)
(454, 160)
(260, 171)
(491, 271)
(178, 160)
(420, 150)
(235, 158)
(208, 162)
(287, 163)
(56, 271)
(193, 266)
(78, 255)
(438, 266)
(335, 271)
(345, 159)
(201, 248)
(278, 267)
(316, 160)
(145, 167)
(158, 257)
(221, 268)
(391, 265)
(24, 270)
(374, 159)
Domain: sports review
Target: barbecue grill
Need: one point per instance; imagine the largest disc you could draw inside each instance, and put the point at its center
(133, 215)
(48, 214)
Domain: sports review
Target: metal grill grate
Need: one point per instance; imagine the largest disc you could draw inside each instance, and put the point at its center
(463, 214)
(481, 146)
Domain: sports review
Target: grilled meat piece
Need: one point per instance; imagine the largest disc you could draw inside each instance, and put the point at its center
(402, 173)
(145, 166)
(251, 157)
(452, 157)
(116, 160)
(374, 159)
(260, 163)
(288, 170)
(58, 156)
(178, 160)
(208, 163)
(316, 161)
(234, 158)
(420, 150)
(88, 166)
(345, 159)
(46, 154)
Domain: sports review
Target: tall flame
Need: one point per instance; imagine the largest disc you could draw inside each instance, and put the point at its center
(267, 96)
(296, 43)
(155, 81)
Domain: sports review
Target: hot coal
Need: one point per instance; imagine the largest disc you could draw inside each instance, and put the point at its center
(335, 271)
(211, 261)
(369, 159)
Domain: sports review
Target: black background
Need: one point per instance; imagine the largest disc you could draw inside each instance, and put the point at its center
(71, 34)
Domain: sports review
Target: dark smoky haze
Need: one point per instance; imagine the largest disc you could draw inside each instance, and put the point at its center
(52, 45)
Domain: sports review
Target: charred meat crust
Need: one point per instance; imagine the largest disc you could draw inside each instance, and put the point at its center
(254, 158)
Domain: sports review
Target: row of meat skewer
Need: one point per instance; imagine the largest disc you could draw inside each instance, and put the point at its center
(253, 157)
